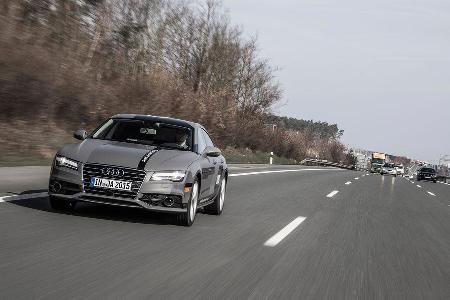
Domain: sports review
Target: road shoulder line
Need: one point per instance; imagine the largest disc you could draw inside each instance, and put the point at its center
(22, 197)
(279, 171)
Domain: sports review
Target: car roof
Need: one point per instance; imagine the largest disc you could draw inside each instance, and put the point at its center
(161, 119)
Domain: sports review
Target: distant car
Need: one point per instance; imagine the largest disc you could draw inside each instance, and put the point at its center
(426, 173)
(388, 169)
(400, 170)
(155, 163)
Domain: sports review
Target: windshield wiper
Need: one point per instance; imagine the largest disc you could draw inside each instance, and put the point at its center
(137, 141)
(172, 146)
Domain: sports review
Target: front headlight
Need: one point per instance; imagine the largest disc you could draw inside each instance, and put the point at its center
(62, 161)
(175, 176)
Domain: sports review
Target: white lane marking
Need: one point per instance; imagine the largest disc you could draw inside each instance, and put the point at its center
(280, 235)
(412, 182)
(431, 193)
(332, 194)
(356, 178)
(5, 198)
(419, 186)
(279, 171)
(348, 182)
(22, 197)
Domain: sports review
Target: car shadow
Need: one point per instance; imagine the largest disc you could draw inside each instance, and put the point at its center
(98, 211)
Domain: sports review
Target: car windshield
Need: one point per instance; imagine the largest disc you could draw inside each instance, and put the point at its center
(145, 132)
(388, 166)
(427, 170)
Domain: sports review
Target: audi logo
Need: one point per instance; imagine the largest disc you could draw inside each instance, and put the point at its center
(113, 172)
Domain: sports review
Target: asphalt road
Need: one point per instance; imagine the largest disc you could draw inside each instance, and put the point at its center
(301, 234)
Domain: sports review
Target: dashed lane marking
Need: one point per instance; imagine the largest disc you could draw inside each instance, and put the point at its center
(332, 194)
(348, 182)
(419, 186)
(280, 235)
(432, 194)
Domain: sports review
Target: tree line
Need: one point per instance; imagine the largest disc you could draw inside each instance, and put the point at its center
(71, 63)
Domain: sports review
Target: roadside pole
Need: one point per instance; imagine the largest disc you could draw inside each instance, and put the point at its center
(271, 158)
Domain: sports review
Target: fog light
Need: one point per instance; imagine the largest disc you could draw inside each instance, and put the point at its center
(55, 187)
(168, 202)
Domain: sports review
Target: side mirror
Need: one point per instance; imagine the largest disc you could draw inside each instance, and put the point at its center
(80, 134)
(212, 151)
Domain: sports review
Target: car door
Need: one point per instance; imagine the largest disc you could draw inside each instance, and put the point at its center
(217, 165)
(207, 166)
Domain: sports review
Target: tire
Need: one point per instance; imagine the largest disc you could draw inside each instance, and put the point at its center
(216, 207)
(61, 204)
(188, 218)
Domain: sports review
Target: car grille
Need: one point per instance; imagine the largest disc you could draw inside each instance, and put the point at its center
(95, 170)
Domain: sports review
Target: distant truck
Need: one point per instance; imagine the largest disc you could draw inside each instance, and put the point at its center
(377, 161)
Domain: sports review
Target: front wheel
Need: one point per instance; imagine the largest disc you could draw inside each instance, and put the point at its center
(216, 207)
(187, 218)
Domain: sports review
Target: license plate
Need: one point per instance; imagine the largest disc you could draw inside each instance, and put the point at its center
(427, 177)
(111, 184)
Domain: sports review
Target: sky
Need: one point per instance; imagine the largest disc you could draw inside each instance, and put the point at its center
(379, 69)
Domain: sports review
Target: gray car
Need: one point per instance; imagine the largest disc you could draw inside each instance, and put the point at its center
(156, 163)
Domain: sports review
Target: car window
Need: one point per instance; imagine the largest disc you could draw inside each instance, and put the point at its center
(201, 142)
(207, 139)
(145, 132)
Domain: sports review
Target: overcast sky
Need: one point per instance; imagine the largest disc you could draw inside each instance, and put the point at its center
(380, 69)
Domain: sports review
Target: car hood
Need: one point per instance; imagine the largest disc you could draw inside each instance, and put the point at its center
(129, 155)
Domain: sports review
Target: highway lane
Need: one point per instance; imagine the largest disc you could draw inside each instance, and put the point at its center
(381, 240)
(377, 237)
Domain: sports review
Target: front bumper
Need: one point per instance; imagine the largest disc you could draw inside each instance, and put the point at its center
(427, 177)
(389, 172)
(172, 197)
(117, 201)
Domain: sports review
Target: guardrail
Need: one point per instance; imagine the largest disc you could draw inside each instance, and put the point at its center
(325, 163)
